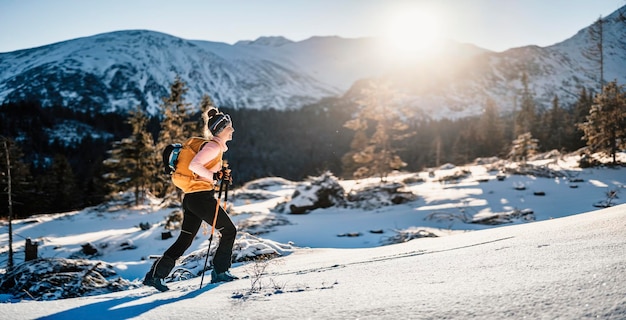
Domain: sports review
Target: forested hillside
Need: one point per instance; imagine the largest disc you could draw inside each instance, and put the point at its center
(292, 144)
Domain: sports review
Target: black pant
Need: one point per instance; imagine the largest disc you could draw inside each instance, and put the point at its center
(198, 206)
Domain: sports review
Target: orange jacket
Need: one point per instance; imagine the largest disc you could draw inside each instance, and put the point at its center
(184, 178)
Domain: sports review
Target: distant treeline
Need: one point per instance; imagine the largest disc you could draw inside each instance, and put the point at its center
(293, 144)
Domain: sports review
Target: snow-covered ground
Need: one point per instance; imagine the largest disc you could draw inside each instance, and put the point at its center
(565, 258)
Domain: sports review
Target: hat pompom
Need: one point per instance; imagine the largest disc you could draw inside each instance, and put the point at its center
(211, 112)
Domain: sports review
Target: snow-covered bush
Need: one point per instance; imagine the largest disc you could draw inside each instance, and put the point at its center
(325, 191)
(487, 161)
(413, 179)
(246, 248)
(449, 217)
(552, 154)
(611, 195)
(587, 161)
(174, 220)
(56, 278)
(534, 170)
(505, 217)
(407, 235)
(377, 195)
(455, 177)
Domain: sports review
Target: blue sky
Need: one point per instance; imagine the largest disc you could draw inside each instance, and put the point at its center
(493, 24)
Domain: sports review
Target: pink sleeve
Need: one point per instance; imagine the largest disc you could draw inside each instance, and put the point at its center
(209, 152)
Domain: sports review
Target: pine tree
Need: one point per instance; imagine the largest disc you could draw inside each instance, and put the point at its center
(359, 142)
(436, 149)
(176, 127)
(464, 147)
(6, 175)
(554, 126)
(579, 115)
(94, 186)
(525, 120)
(605, 127)
(379, 155)
(145, 166)
(58, 186)
(128, 166)
(22, 185)
(523, 147)
(490, 130)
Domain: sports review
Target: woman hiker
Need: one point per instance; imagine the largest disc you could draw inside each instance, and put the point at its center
(198, 182)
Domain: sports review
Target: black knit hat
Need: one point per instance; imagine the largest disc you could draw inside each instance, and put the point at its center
(217, 121)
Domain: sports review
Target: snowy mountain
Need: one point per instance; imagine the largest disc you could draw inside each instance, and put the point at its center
(117, 71)
(456, 88)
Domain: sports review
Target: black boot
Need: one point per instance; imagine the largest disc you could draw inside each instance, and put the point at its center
(225, 276)
(158, 283)
(159, 270)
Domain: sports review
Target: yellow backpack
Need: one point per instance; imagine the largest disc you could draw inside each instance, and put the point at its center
(184, 178)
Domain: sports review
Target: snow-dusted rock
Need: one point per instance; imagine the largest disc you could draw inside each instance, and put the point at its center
(319, 192)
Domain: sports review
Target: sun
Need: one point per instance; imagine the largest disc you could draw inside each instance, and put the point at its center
(413, 32)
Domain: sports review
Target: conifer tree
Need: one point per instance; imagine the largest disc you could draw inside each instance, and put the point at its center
(94, 187)
(554, 125)
(175, 128)
(128, 164)
(22, 186)
(9, 184)
(579, 115)
(605, 127)
(523, 147)
(58, 186)
(436, 148)
(464, 147)
(583, 105)
(359, 142)
(491, 130)
(145, 166)
(380, 155)
(525, 120)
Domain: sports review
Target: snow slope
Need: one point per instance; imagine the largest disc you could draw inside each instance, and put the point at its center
(566, 268)
(569, 263)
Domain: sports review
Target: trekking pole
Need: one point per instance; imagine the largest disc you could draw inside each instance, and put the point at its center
(228, 178)
(226, 196)
(208, 250)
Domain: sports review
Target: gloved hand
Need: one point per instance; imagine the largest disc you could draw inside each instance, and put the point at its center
(223, 174)
(226, 175)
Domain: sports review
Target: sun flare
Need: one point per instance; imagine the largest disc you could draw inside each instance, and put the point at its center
(413, 32)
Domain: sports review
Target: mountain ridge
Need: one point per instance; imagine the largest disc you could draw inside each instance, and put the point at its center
(116, 71)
